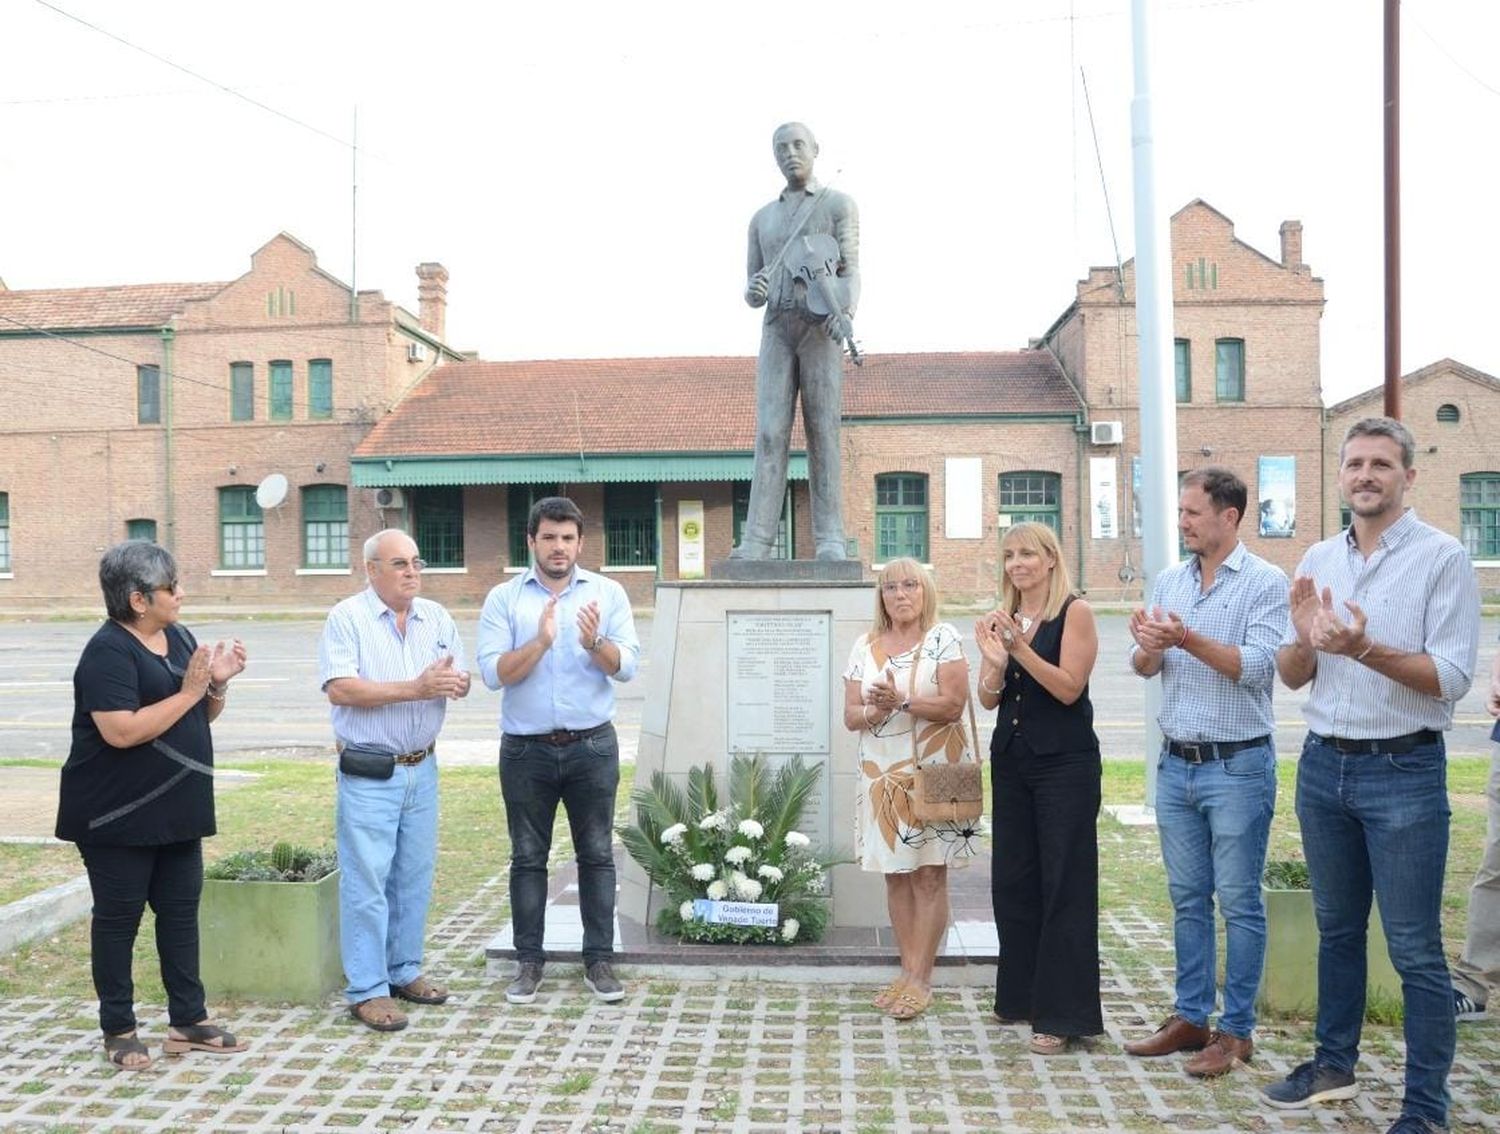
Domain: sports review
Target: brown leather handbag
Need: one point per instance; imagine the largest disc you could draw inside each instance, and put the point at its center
(946, 792)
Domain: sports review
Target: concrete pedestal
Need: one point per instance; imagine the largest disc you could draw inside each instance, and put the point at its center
(684, 720)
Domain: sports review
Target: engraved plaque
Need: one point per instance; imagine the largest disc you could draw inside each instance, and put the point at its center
(778, 674)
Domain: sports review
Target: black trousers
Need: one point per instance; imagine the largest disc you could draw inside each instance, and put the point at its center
(1045, 887)
(123, 881)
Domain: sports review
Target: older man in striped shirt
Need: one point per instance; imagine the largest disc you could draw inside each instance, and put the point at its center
(1212, 634)
(1385, 624)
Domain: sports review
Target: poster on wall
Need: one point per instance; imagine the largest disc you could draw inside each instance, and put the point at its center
(1278, 497)
(1104, 518)
(1135, 496)
(690, 539)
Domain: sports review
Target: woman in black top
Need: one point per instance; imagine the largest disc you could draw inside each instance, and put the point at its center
(1037, 652)
(137, 793)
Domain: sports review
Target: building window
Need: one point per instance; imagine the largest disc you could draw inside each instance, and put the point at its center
(900, 516)
(1448, 414)
(1034, 497)
(1229, 370)
(4, 531)
(281, 391)
(241, 391)
(141, 529)
(1479, 514)
(438, 525)
(320, 389)
(1183, 354)
(518, 510)
(148, 395)
(740, 511)
(325, 525)
(242, 530)
(630, 525)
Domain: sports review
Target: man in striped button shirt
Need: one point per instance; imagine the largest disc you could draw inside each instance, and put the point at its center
(1385, 624)
(1212, 632)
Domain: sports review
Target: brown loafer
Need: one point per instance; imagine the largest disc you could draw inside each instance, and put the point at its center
(1221, 1056)
(420, 991)
(1175, 1034)
(379, 1013)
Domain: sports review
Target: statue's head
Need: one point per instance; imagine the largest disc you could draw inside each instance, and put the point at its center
(795, 148)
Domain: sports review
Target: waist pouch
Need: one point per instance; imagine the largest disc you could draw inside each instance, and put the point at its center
(367, 763)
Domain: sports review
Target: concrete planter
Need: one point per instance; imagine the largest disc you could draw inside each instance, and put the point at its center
(1289, 985)
(276, 941)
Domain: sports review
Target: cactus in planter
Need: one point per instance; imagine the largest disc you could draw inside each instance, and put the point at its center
(284, 862)
(284, 857)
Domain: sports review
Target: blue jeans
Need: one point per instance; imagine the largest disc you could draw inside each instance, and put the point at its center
(583, 776)
(387, 841)
(1214, 819)
(1379, 822)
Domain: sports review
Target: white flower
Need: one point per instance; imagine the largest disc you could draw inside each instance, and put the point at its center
(674, 833)
(751, 829)
(747, 888)
(737, 855)
(717, 889)
(770, 873)
(711, 822)
(704, 871)
(797, 839)
(685, 911)
(790, 928)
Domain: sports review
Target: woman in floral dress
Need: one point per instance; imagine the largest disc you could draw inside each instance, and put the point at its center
(908, 673)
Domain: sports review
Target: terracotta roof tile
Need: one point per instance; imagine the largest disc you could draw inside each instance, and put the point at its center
(75, 308)
(648, 405)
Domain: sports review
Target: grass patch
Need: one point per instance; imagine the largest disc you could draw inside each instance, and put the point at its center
(26, 869)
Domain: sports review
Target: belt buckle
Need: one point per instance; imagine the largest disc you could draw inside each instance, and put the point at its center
(1192, 753)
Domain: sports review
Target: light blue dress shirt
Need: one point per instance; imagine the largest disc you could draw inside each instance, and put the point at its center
(565, 689)
(360, 640)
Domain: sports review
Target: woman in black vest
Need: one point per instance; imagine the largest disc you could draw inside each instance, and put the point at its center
(1038, 650)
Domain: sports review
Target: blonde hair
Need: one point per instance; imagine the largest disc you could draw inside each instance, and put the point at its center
(894, 571)
(1040, 538)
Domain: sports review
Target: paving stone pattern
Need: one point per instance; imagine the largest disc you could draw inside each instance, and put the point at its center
(685, 1055)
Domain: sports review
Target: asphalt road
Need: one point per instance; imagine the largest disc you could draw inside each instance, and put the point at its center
(276, 702)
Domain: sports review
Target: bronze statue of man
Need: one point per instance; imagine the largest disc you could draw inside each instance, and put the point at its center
(801, 346)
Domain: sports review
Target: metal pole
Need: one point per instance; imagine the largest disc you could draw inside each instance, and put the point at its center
(1153, 315)
(168, 412)
(1392, 208)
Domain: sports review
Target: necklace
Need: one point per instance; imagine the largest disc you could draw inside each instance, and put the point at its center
(1025, 620)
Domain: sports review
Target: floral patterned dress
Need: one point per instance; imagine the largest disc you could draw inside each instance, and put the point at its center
(885, 839)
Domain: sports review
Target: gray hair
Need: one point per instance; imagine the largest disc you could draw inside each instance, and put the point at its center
(1383, 427)
(136, 566)
(372, 545)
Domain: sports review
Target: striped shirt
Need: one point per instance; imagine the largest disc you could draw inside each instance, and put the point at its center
(565, 689)
(1246, 607)
(1420, 595)
(360, 639)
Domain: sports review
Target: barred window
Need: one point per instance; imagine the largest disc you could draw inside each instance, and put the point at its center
(630, 525)
(438, 515)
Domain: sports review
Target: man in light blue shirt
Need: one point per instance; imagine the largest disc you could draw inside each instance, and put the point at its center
(1385, 625)
(555, 639)
(1212, 632)
(389, 662)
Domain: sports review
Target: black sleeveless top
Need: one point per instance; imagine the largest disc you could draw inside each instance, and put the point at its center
(1026, 709)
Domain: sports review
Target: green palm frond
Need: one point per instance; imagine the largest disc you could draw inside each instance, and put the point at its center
(648, 852)
(661, 805)
(702, 796)
(749, 784)
(787, 797)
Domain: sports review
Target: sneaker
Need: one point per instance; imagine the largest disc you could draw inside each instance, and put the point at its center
(602, 983)
(1465, 1009)
(1310, 1083)
(522, 990)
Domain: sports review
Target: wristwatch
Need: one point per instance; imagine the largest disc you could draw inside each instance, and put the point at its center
(599, 640)
(905, 706)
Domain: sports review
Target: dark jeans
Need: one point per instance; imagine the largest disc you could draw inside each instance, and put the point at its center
(1045, 885)
(1377, 824)
(123, 880)
(583, 776)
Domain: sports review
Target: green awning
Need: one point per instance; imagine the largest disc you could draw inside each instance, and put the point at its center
(419, 472)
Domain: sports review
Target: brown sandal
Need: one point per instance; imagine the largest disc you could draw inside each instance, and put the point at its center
(117, 1049)
(420, 991)
(200, 1037)
(379, 1013)
(887, 995)
(1044, 1044)
(910, 1003)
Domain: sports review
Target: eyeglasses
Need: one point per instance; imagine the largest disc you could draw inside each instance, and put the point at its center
(403, 564)
(901, 585)
(171, 588)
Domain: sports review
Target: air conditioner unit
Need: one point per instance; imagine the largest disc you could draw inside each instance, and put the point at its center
(1106, 432)
(389, 498)
(415, 352)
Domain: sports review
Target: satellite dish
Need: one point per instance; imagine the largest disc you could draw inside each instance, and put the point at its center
(271, 491)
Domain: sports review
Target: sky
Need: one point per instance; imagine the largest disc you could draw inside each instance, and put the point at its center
(586, 171)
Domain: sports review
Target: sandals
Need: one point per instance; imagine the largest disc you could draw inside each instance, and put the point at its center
(1044, 1044)
(420, 991)
(909, 1003)
(118, 1049)
(200, 1037)
(379, 1013)
(887, 995)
